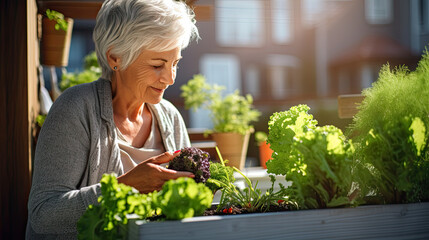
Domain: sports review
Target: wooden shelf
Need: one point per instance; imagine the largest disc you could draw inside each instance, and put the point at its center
(89, 9)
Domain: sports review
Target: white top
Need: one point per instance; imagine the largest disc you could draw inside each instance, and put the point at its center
(131, 156)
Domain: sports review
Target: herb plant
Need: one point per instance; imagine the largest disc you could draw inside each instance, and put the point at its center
(192, 160)
(59, 18)
(317, 160)
(250, 198)
(220, 175)
(392, 136)
(231, 113)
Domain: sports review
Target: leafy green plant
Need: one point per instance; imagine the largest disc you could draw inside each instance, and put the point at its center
(220, 175)
(58, 17)
(260, 137)
(91, 72)
(40, 119)
(250, 198)
(392, 140)
(193, 160)
(317, 160)
(183, 198)
(180, 198)
(232, 113)
(109, 219)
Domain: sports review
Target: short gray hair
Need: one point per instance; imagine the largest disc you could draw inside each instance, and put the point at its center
(128, 26)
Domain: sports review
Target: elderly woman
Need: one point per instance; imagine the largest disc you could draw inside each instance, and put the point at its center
(118, 124)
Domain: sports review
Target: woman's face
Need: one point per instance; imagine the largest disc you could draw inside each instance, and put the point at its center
(149, 75)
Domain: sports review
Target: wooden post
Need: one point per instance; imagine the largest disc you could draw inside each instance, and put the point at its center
(18, 105)
(347, 105)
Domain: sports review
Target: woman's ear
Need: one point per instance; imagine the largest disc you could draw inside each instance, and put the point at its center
(113, 60)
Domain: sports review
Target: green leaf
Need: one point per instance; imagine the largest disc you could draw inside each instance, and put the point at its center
(419, 134)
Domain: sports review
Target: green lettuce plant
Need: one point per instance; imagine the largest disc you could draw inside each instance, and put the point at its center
(317, 160)
(391, 136)
(180, 198)
(183, 198)
(231, 113)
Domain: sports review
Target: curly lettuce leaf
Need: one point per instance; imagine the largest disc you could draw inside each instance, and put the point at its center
(317, 160)
(183, 198)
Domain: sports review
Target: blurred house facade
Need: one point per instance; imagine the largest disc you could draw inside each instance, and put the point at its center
(286, 52)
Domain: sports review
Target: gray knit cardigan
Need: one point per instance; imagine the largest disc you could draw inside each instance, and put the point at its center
(76, 146)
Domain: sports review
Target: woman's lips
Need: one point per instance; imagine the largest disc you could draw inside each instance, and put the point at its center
(159, 90)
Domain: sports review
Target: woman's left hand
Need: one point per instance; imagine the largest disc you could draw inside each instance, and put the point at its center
(149, 175)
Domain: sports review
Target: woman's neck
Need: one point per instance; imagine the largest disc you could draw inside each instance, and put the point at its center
(124, 106)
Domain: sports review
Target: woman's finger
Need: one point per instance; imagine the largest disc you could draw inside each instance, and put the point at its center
(164, 158)
(168, 174)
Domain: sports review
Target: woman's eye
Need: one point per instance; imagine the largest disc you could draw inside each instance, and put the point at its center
(156, 67)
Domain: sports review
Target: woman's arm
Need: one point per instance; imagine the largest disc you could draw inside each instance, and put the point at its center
(61, 160)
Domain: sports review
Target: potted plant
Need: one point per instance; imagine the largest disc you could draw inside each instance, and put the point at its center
(56, 38)
(265, 151)
(231, 116)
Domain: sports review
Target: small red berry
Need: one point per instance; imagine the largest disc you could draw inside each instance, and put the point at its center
(280, 201)
(230, 210)
(225, 210)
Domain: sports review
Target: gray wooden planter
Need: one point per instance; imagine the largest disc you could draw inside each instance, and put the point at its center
(399, 221)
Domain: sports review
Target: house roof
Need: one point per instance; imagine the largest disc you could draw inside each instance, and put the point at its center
(375, 48)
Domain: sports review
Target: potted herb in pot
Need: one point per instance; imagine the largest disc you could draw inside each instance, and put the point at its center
(265, 151)
(56, 38)
(231, 116)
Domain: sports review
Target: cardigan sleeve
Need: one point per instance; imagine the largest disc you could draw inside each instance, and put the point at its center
(56, 200)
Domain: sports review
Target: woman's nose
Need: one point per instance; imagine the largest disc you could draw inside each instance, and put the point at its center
(169, 75)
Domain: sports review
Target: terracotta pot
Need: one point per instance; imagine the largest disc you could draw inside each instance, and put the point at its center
(232, 146)
(55, 44)
(265, 153)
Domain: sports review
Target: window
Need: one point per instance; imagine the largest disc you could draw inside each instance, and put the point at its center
(311, 11)
(379, 11)
(367, 76)
(252, 81)
(220, 69)
(240, 23)
(279, 82)
(282, 21)
(344, 81)
(424, 15)
(282, 70)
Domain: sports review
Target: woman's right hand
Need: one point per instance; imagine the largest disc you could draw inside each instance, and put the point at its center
(149, 175)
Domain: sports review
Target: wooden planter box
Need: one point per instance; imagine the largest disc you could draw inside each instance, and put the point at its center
(399, 221)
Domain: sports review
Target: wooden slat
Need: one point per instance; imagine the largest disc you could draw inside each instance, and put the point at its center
(18, 38)
(72, 9)
(203, 12)
(347, 105)
(89, 9)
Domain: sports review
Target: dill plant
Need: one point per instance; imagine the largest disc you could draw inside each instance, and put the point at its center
(391, 136)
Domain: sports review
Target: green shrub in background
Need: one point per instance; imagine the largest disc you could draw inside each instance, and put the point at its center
(391, 136)
(91, 72)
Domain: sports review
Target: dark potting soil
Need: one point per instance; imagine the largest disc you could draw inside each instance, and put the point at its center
(233, 210)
